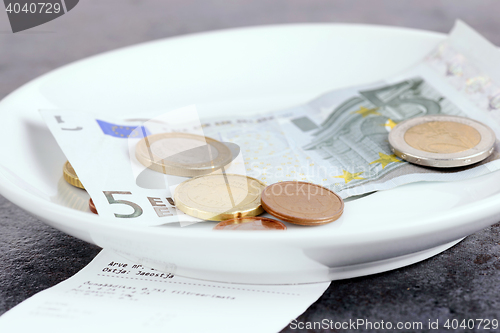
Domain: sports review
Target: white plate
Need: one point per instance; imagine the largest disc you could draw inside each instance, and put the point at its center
(244, 71)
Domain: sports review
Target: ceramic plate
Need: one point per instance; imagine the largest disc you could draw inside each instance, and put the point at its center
(241, 71)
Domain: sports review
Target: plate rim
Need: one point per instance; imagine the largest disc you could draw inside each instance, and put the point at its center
(85, 221)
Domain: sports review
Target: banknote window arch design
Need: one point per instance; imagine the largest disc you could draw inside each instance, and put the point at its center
(353, 139)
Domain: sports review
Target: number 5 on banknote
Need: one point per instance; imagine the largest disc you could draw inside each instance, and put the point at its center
(99, 151)
(137, 209)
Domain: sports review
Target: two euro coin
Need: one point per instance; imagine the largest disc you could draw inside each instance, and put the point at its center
(442, 141)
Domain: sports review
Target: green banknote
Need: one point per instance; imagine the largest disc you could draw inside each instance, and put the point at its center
(342, 136)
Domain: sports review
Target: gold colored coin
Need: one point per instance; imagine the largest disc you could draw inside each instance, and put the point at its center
(220, 196)
(442, 137)
(70, 176)
(182, 154)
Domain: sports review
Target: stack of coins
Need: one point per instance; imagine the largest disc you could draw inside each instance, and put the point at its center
(71, 177)
(294, 202)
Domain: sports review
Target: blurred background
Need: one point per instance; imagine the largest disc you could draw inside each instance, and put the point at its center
(96, 26)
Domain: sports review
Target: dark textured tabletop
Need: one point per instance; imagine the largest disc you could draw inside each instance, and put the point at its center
(461, 283)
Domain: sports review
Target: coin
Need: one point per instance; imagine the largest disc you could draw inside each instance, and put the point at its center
(302, 203)
(442, 141)
(219, 196)
(92, 206)
(250, 223)
(70, 176)
(182, 154)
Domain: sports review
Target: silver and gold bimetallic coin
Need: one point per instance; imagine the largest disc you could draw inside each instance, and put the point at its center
(182, 154)
(220, 196)
(442, 141)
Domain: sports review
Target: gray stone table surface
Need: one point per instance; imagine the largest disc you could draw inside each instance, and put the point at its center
(461, 283)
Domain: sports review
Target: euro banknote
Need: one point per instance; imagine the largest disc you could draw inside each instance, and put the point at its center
(102, 150)
(339, 140)
(342, 136)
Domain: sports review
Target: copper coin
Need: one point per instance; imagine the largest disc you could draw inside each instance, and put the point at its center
(302, 203)
(250, 223)
(92, 206)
